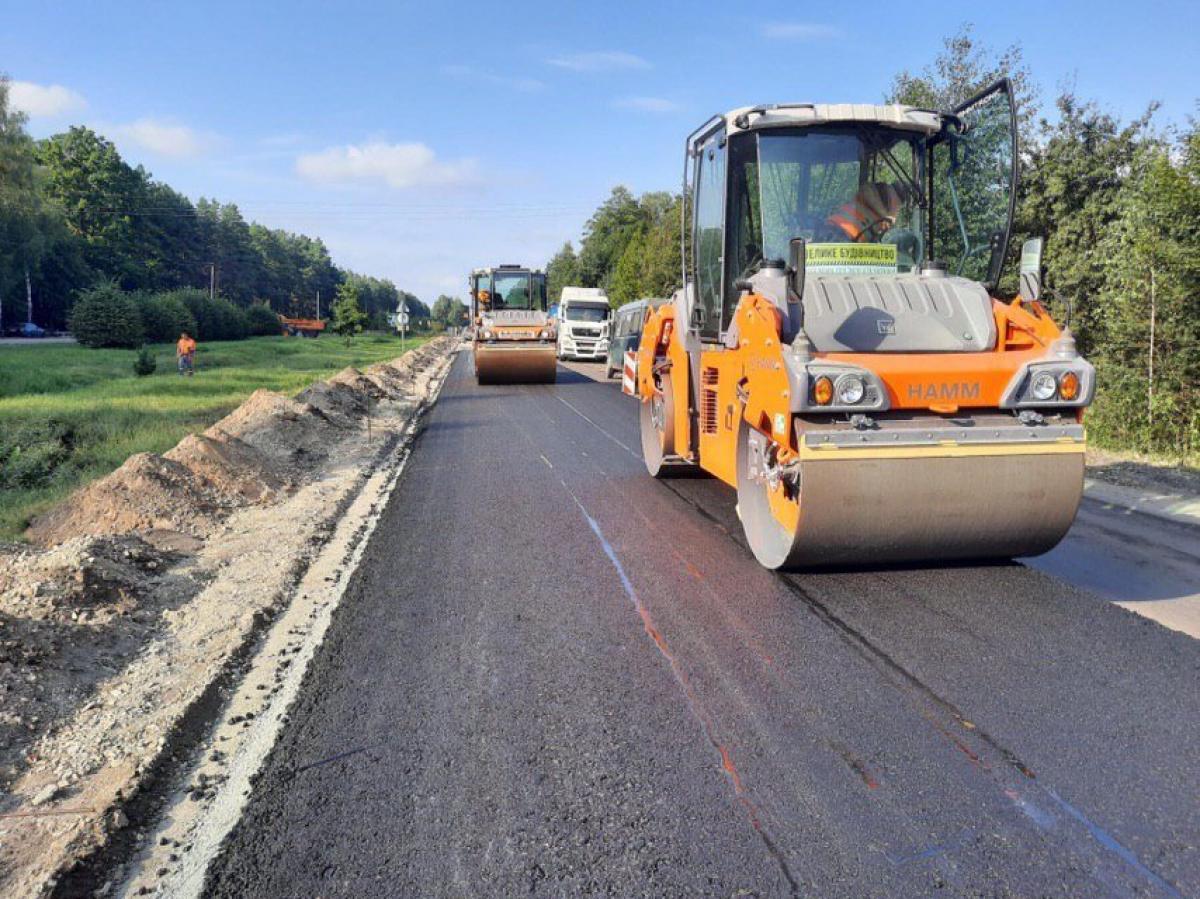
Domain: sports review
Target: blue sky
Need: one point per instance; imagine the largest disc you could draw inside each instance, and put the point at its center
(422, 139)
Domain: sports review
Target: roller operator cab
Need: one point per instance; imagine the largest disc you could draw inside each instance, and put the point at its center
(514, 336)
(838, 353)
(584, 318)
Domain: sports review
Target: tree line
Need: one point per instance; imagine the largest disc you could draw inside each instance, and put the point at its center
(1118, 203)
(74, 214)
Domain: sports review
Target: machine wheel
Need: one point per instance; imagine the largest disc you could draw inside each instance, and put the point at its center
(658, 430)
(768, 500)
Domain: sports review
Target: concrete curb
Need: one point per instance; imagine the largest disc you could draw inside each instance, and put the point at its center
(1176, 507)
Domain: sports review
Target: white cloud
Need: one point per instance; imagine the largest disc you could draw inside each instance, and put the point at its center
(165, 138)
(527, 85)
(799, 31)
(599, 61)
(647, 104)
(398, 165)
(44, 100)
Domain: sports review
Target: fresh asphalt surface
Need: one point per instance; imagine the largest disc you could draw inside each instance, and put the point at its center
(557, 676)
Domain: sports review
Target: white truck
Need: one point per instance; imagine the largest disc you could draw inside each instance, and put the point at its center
(584, 316)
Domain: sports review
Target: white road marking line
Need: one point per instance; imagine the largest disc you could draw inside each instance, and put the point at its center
(598, 428)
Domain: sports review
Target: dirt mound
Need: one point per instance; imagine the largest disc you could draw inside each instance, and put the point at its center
(231, 467)
(68, 616)
(388, 378)
(340, 402)
(292, 434)
(147, 492)
(355, 380)
(85, 573)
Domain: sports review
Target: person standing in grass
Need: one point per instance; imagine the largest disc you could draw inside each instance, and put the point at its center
(185, 351)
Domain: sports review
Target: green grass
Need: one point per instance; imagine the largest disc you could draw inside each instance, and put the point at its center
(70, 414)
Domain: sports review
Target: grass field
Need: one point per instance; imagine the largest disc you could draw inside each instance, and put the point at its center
(70, 414)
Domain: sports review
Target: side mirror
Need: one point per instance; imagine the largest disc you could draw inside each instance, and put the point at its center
(1031, 269)
(795, 270)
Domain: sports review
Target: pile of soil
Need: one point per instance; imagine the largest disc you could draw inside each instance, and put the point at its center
(339, 402)
(148, 492)
(69, 618)
(293, 434)
(231, 466)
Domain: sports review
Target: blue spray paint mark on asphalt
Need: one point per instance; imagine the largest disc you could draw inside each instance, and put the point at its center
(1109, 842)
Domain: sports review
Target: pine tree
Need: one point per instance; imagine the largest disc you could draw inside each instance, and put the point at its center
(348, 317)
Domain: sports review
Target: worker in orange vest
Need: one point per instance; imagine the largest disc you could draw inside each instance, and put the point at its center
(185, 351)
(871, 214)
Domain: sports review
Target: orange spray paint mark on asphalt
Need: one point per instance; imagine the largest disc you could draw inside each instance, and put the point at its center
(699, 713)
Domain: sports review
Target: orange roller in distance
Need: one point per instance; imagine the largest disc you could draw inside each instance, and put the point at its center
(513, 334)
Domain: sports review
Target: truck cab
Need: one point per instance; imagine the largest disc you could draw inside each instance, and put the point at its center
(584, 315)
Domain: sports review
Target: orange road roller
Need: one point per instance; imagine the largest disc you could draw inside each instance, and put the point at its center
(514, 336)
(838, 354)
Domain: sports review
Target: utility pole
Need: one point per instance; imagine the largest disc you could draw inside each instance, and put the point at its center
(28, 298)
(318, 304)
(212, 280)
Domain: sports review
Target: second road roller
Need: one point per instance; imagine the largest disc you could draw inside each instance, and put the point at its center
(839, 352)
(514, 336)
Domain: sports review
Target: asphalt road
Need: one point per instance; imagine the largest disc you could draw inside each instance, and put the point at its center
(555, 676)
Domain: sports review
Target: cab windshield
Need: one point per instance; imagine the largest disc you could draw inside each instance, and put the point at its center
(512, 291)
(833, 187)
(587, 313)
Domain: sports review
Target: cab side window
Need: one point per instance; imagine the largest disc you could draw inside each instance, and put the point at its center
(710, 234)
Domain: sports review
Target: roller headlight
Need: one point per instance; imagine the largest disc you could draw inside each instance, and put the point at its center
(850, 390)
(1069, 383)
(487, 335)
(1043, 386)
(836, 387)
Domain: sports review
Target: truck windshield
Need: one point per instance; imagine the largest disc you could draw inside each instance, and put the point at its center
(854, 190)
(512, 291)
(587, 313)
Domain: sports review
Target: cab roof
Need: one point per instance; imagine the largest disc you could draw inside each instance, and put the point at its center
(505, 268)
(782, 115)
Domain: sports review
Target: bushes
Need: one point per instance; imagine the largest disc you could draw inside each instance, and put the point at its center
(164, 317)
(262, 320)
(106, 316)
(232, 323)
(31, 453)
(215, 319)
(145, 363)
